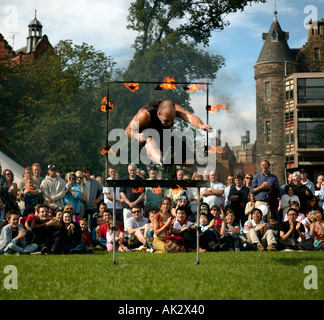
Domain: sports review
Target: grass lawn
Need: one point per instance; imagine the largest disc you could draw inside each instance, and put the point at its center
(145, 276)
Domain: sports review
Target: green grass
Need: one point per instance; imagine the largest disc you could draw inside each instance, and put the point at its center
(145, 276)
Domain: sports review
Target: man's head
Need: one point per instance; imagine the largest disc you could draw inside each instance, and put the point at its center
(303, 175)
(42, 212)
(180, 175)
(137, 212)
(265, 166)
(112, 171)
(166, 113)
(106, 215)
(292, 215)
(28, 172)
(320, 179)
(36, 168)
(153, 173)
(257, 215)
(51, 170)
(102, 207)
(86, 173)
(238, 180)
(230, 180)
(213, 176)
(132, 171)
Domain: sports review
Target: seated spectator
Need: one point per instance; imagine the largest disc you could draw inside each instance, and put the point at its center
(73, 194)
(258, 233)
(274, 225)
(95, 232)
(85, 233)
(182, 201)
(214, 217)
(310, 218)
(135, 226)
(57, 213)
(209, 237)
(230, 231)
(12, 237)
(185, 229)
(295, 205)
(46, 233)
(12, 186)
(316, 231)
(290, 231)
(162, 224)
(71, 235)
(149, 231)
(119, 238)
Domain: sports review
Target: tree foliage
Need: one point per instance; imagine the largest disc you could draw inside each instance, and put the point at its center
(190, 19)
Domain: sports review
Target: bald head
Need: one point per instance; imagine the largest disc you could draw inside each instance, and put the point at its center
(166, 113)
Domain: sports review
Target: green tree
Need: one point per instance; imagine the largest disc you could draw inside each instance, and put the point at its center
(60, 119)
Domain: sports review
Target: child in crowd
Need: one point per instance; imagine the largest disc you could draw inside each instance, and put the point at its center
(30, 194)
(119, 238)
(12, 237)
(149, 231)
(274, 226)
(86, 239)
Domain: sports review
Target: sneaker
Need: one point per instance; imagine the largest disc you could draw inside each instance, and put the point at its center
(151, 250)
(141, 249)
(270, 247)
(260, 247)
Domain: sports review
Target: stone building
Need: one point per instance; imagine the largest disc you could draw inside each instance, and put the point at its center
(37, 45)
(290, 102)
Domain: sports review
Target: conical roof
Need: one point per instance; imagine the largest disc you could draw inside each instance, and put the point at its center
(35, 22)
(275, 47)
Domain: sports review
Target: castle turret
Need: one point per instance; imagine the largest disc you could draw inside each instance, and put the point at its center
(275, 62)
(35, 33)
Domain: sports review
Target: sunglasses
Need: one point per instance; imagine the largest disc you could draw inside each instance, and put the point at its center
(248, 178)
(136, 211)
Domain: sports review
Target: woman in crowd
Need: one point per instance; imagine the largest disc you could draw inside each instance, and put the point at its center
(287, 199)
(162, 224)
(248, 180)
(73, 194)
(71, 235)
(12, 186)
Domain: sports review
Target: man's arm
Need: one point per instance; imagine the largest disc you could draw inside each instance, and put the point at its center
(190, 118)
(143, 118)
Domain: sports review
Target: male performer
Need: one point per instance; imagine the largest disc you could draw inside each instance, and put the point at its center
(160, 115)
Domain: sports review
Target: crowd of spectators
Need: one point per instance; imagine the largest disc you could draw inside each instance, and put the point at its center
(52, 215)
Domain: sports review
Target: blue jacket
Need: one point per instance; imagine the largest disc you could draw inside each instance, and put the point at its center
(75, 199)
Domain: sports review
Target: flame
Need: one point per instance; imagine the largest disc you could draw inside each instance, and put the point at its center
(168, 85)
(132, 86)
(196, 87)
(157, 190)
(104, 104)
(108, 150)
(138, 190)
(213, 109)
(177, 190)
(214, 149)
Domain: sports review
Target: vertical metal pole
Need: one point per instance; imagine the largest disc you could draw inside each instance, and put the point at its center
(114, 228)
(197, 230)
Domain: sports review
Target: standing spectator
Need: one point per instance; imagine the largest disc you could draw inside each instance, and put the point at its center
(112, 171)
(79, 181)
(213, 194)
(305, 181)
(265, 187)
(289, 181)
(37, 170)
(229, 185)
(53, 187)
(238, 196)
(131, 196)
(153, 196)
(248, 180)
(302, 191)
(94, 196)
(12, 237)
(287, 199)
(73, 194)
(319, 184)
(12, 186)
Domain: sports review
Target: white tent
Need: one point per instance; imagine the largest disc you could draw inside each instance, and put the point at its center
(8, 163)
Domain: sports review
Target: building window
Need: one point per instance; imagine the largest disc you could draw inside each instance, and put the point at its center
(267, 90)
(310, 90)
(316, 53)
(267, 131)
(311, 134)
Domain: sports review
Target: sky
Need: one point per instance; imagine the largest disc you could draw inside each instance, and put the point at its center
(102, 23)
